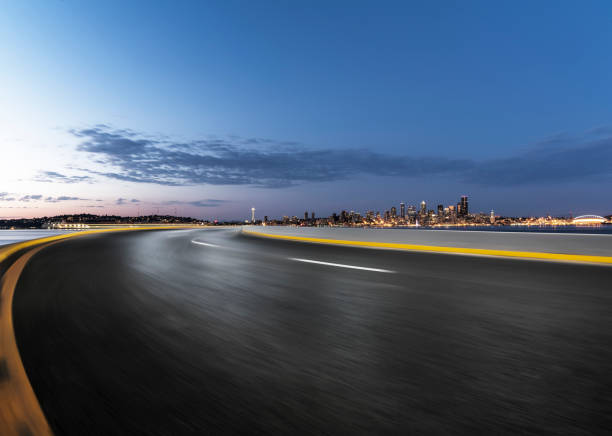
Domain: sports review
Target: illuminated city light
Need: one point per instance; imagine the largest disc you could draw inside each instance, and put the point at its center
(589, 219)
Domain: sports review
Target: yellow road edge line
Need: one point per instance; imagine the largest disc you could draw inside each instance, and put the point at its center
(20, 412)
(14, 248)
(440, 249)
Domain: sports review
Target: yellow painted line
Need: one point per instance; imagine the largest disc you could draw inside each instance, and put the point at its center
(14, 248)
(20, 412)
(457, 250)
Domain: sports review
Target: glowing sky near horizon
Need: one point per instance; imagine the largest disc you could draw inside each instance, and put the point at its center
(206, 109)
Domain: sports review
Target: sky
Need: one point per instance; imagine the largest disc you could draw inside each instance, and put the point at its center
(207, 109)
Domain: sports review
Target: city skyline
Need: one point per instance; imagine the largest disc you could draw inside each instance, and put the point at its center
(420, 214)
(338, 106)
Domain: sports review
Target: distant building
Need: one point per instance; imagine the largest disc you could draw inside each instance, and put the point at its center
(492, 217)
(452, 212)
(440, 210)
(402, 210)
(423, 208)
(464, 206)
(393, 212)
(306, 216)
(312, 215)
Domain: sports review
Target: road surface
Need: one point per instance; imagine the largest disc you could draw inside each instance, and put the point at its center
(215, 332)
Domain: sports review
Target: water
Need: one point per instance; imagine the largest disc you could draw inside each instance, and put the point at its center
(601, 229)
(12, 236)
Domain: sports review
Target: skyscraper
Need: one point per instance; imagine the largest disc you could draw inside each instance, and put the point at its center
(464, 205)
(402, 210)
(393, 212)
(440, 210)
(252, 215)
(312, 216)
(306, 216)
(423, 208)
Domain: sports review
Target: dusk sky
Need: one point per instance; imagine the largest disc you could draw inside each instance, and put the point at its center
(206, 109)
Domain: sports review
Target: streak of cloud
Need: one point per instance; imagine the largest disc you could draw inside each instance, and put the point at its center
(132, 157)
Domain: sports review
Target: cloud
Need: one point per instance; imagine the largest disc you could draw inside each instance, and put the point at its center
(133, 157)
(4, 196)
(121, 201)
(210, 202)
(52, 176)
(28, 198)
(63, 198)
(566, 163)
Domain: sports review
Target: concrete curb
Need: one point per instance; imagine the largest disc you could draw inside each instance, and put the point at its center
(557, 257)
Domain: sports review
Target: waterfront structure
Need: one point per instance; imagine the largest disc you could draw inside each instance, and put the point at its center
(402, 210)
(589, 219)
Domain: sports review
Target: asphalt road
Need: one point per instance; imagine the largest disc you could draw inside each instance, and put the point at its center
(151, 333)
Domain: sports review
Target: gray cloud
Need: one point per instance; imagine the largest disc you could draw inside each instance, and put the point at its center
(4, 196)
(133, 157)
(52, 176)
(63, 198)
(220, 162)
(564, 163)
(27, 198)
(210, 202)
(121, 201)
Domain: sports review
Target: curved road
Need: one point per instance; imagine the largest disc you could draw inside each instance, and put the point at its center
(213, 331)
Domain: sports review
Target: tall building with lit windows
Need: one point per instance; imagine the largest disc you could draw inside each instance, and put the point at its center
(464, 211)
(402, 210)
(423, 208)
